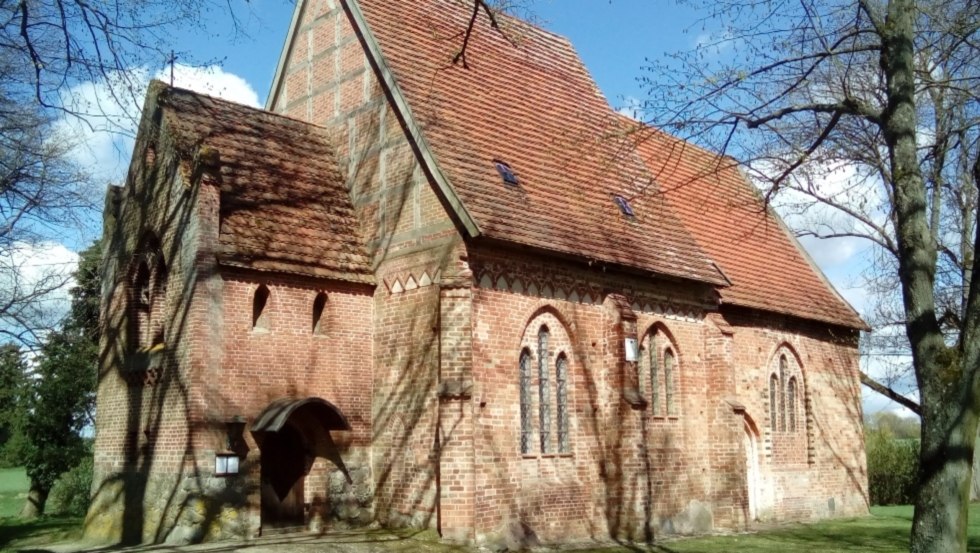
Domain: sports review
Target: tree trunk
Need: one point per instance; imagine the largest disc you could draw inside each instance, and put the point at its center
(37, 497)
(949, 429)
(944, 374)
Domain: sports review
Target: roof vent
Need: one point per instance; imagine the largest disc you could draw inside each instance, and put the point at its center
(624, 205)
(506, 172)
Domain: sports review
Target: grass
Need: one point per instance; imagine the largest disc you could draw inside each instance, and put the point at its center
(20, 534)
(13, 490)
(885, 531)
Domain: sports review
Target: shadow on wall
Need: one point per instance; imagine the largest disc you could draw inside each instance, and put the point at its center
(149, 481)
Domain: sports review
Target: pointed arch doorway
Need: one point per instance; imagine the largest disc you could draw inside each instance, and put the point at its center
(291, 434)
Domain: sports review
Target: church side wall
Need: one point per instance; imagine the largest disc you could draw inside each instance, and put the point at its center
(818, 469)
(418, 258)
(628, 472)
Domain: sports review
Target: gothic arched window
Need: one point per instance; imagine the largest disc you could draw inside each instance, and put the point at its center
(791, 403)
(544, 392)
(774, 402)
(561, 377)
(525, 385)
(669, 382)
(319, 304)
(260, 319)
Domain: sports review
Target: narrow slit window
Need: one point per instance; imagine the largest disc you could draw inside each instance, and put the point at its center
(654, 351)
(773, 402)
(544, 392)
(561, 377)
(525, 386)
(791, 401)
(624, 205)
(506, 173)
(782, 396)
(260, 319)
(319, 304)
(670, 381)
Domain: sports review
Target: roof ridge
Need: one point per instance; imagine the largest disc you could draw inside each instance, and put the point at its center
(168, 89)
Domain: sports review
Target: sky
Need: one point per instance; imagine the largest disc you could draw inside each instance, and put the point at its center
(617, 40)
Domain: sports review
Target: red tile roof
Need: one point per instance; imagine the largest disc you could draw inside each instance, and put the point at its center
(284, 206)
(728, 217)
(527, 99)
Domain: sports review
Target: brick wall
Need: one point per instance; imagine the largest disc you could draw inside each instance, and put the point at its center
(418, 255)
(631, 471)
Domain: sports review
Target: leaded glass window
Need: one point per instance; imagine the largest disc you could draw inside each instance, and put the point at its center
(525, 375)
(669, 382)
(782, 397)
(773, 402)
(561, 376)
(543, 388)
(654, 355)
(791, 400)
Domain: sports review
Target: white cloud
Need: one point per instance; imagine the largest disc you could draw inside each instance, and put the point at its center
(41, 273)
(103, 135)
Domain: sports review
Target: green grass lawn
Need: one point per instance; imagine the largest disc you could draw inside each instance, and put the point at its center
(18, 534)
(885, 531)
(13, 489)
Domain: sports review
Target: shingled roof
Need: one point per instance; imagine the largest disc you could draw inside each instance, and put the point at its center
(767, 268)
(283, 203)
(526, 99)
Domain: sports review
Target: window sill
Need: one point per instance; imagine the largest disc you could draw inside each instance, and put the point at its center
(531, 456)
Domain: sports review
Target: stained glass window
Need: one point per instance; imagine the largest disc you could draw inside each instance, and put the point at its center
(545, 395)
(791, 400)
(782, 396)
(525, 384)
(669, 383)
(561, 375)
(773, 403)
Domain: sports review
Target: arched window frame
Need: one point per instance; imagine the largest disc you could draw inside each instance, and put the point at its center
(545, 387)
(660, 363)
(654, 364)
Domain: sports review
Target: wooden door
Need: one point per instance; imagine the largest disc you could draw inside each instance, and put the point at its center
(283, 473)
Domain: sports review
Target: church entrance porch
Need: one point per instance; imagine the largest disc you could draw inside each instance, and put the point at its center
(292, 434)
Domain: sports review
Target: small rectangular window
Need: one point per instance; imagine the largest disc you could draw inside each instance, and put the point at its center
(506, 173)
(624, 205)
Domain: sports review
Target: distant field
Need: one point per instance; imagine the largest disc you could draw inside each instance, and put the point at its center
(13, 489)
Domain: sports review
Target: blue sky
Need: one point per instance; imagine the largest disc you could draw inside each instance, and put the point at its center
(615, 38)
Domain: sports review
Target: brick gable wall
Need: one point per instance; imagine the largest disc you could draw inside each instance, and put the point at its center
(416, 251)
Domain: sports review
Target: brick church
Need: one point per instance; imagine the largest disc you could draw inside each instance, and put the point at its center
(473, 299)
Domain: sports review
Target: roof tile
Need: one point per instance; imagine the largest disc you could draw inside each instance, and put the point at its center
(283, 202)
(527, 99)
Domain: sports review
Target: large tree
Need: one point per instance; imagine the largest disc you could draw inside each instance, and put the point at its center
(887, 92)
(62, 391)
(53, 55)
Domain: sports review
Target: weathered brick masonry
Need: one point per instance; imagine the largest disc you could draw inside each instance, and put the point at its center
(345, 298)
